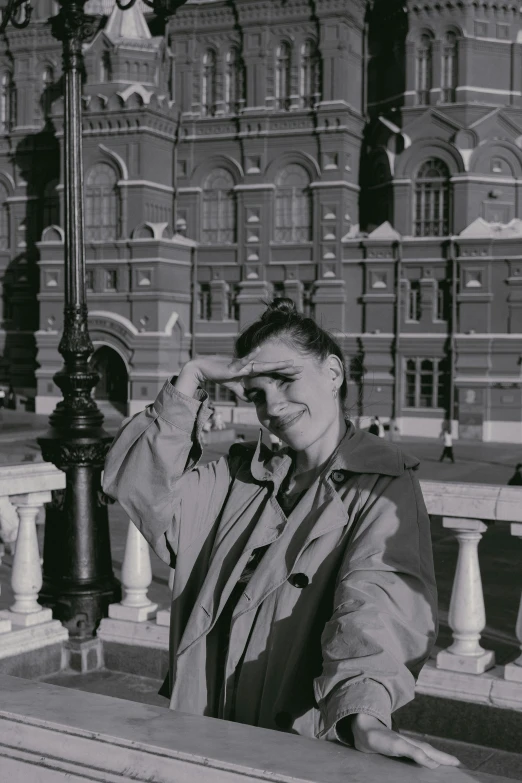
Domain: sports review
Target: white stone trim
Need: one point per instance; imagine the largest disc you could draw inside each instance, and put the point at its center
(114, 317)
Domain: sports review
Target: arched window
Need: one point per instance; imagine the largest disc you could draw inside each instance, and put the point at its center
(293, 208)
(209, 92)
(233, 80)
(51, 205)
(4, 218)
(101, 203)
(283, 75)
(309, 76)
(219, 209)
(47, 86)
(7, 102)
(432, 199)
(449, 68)
(423, 75)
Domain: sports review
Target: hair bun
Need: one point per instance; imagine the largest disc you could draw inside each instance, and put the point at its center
(280, 306)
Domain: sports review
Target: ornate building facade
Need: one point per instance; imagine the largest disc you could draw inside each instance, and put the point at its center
(364, 159)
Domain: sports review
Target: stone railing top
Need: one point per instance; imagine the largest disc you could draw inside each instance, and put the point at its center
(30, 477)
(68, 730)
(490, 502)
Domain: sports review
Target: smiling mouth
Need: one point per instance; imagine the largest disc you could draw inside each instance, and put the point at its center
(284, 425)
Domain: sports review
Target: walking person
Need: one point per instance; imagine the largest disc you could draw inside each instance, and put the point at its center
(447, 451)
(516, 478)
(373, 429)
(304, 595)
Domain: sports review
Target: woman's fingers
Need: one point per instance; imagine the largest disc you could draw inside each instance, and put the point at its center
(434, 753)
(264, 368)
(390, 743)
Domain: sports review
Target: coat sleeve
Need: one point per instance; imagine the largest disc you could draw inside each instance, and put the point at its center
(384, 622)
(152, 470)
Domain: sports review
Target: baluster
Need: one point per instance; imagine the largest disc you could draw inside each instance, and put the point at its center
(163, 616)
(513, 671)
(5, 625)
(26, 577)
(136, 576)
(467, 614)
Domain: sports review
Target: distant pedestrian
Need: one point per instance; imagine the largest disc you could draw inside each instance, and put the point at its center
(448, 447)
(11, 399)
(380, 427)
(516, 478)
(373, 429)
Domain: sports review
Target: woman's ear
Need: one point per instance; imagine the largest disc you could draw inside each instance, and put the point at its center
(336, 369)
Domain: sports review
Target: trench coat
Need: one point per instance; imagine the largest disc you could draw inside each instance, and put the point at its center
(340, 614)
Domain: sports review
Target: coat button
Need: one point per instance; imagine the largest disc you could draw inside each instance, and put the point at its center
(283, 720)
(338, 476)
(299, 580)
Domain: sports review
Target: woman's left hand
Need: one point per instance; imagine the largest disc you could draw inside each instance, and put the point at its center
(372, 736)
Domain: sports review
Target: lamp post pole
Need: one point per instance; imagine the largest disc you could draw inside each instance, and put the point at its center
(78, 581)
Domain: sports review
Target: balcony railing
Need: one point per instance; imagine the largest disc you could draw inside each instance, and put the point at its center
(464, 670)
(465, 667)
(24, 490)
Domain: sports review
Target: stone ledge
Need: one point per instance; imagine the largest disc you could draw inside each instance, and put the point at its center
(62, 735)
(143, 634)
(22, 640)
(488, 688)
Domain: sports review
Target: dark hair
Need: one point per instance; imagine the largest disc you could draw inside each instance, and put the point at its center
(282, 319)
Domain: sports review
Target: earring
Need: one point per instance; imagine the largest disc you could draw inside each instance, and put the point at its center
(334, 392)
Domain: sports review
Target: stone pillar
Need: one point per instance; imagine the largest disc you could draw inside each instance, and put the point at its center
(218, 300)
(26, 578)
(329, 299)
(136, 576)
(250, 300)
(467, 615)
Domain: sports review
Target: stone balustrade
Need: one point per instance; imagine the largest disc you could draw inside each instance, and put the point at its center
(53, 735)
(24, 490)
(465, 670)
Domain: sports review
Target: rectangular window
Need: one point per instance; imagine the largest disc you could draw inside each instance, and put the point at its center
(89, 280)
(218, 393)
(413, 312)
(425, 383)
(111, 280)
(231, 303)
(204, 302)
(442, 304)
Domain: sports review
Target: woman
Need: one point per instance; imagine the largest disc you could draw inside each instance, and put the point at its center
(304, 596)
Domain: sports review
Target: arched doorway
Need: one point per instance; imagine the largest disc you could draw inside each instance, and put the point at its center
(112, 388)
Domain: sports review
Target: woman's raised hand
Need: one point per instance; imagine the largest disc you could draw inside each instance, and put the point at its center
(231, 373)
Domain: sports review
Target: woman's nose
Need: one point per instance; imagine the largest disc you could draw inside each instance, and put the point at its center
(275, 403)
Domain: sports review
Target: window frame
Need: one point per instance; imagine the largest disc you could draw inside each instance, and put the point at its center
(293, 208)
(424, 69)
(219, 210)
(438, 384)
(209, 84)
(432, 195)
(449, 67)
(283, 75)
(107, 206)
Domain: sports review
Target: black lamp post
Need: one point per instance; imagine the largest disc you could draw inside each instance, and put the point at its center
(78, 581)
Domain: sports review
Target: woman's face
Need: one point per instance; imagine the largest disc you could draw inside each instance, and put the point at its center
(298, 410)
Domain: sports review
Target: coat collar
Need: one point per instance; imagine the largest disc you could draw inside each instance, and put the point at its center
(358, 452)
